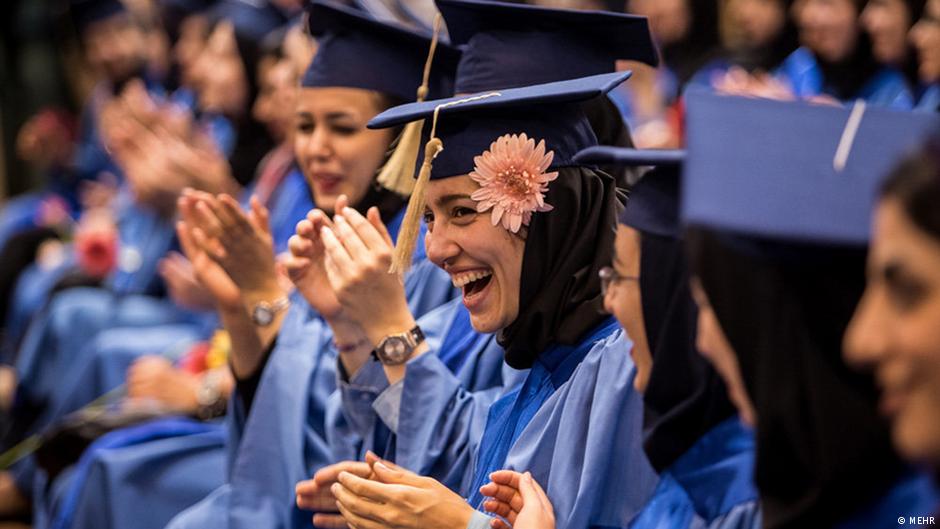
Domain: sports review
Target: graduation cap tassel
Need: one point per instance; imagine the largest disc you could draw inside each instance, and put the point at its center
(398, 172)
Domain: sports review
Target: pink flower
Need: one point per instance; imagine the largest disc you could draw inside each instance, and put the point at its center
(513, 180)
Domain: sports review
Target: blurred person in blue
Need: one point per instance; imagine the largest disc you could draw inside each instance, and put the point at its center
(779, 252)
(888, 23)
(526, 252)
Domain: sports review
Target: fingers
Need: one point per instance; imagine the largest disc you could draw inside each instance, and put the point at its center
(362, 507)
(503, 493)
(375, 219)
(506, 477)
(355, 521)
(500, 509)
(366, 230)
(335, 250)
(329, 521)
(364, 488)
(186, 241)
(532, 493)
(260, 217)
(496, 523)
(314, 498)
(326, 476)
(385, 474)
(350, 238)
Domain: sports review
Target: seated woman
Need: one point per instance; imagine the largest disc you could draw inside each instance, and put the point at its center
(523, 230)
(692, 436)
(780, 255)
(925, 36)
(893, 332)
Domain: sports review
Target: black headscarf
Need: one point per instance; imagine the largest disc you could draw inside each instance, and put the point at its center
(685, 397)
(823, 452)
(560, 294)
(700, 44)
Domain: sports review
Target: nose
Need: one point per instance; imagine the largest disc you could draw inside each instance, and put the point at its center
(866, 339)
(316, 145)
(440, 247)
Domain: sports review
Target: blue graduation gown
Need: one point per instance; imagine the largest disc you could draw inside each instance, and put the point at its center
(474, 359)
(928, 99)
(581, 439)
(711, 485)
(112, 488)
(802, 73)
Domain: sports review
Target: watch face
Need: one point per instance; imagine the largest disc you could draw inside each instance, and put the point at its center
(394, 350)
(262, 315)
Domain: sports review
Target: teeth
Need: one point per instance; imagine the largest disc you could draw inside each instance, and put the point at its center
(461, 280)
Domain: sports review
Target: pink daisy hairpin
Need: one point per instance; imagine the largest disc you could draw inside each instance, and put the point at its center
(513, 180)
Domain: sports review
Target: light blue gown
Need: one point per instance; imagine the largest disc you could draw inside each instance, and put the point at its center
(576, 426)
(476, 362)
(710, 486)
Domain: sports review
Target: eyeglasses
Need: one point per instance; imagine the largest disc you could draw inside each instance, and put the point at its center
(610, 276)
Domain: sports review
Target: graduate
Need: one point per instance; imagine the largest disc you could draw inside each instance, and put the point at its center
(526, 255)
(779, 244)
(278, 419)
(702, 451)
(893, 331)
(486, 30)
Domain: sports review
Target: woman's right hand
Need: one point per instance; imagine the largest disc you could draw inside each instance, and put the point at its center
(210, 274)
(305, 265)
(519, 499)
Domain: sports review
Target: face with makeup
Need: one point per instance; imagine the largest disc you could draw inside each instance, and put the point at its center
(828, 27)
(711, 342)
(338, 154)
(623, 301)
(485, 261)
(896, 329)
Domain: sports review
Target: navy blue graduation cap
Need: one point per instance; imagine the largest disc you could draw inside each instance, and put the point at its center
(791, 171)
(468, 125)
(357, 51)
(86, 12)
(513, 45)
(459, 129)
(653, 206)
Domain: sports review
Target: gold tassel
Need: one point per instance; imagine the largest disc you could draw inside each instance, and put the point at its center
(411, 224)
(398, 172)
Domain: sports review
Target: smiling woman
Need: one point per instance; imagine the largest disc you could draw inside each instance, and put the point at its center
(895, 330)
(523, 230)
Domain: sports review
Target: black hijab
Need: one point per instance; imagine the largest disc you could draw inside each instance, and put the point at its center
(685, 397)
(610, 128)
(560, 293)
(823, 453)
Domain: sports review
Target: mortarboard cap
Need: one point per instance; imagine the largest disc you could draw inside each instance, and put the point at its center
(653, 206)
(357, 51)
(512, 45)
(459, 130)
(791, 171)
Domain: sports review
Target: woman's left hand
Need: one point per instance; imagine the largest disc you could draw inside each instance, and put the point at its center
(519, 499)
(358, 256)
(398, 499)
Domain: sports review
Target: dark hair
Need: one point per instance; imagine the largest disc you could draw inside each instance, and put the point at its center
(915, 182)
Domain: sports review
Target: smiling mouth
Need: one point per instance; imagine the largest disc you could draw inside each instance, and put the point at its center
(472, 283)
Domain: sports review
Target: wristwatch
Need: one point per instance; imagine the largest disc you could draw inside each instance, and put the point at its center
(396, 349)
(263, 313)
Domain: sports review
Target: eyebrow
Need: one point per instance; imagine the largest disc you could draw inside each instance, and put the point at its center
(447, 199)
